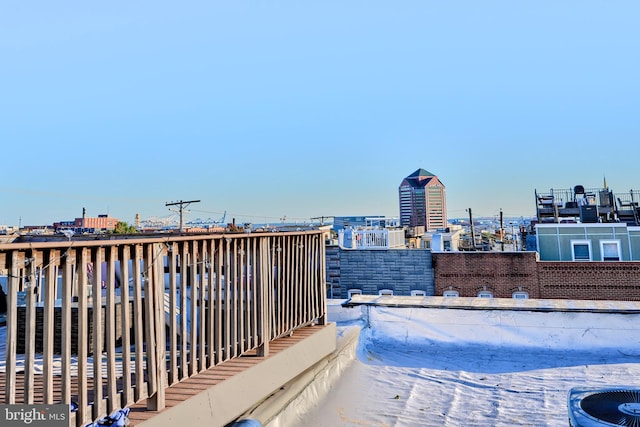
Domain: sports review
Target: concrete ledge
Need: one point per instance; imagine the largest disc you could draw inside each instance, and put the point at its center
(285, 406)
(226, 401)
(511, 304)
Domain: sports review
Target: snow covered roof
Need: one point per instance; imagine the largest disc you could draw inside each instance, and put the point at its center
(439, 363)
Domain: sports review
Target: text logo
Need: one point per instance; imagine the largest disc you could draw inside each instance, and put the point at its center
(34, 415)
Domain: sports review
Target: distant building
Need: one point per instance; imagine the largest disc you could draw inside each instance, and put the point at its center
(368, 232)
(88, 224)
(586, 224)
(380, 221)
(423, 203)
(442, 240)
(588, 242)
(4, 229)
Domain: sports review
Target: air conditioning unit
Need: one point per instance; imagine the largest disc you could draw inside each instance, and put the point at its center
(614, 406)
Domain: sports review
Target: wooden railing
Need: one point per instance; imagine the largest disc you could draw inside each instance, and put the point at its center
(107, 323)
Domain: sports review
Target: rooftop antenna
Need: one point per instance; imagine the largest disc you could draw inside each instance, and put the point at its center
(183, 204)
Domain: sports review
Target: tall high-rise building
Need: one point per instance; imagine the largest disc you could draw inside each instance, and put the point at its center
(423, 201)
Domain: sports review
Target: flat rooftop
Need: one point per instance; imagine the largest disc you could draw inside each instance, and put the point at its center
(438, 361)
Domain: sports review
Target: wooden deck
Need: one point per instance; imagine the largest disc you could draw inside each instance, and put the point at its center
(188, 388)
(240, 290)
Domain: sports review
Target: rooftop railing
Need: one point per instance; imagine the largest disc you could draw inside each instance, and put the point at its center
(366, 238)
(567, 204)
(107, 323)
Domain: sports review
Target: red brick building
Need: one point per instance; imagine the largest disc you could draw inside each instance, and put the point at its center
(100, 223)
(513, 274)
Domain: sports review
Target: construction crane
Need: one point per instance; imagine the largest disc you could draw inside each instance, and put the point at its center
(207, 223)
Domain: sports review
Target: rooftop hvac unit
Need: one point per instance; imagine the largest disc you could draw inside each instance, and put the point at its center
(617, 406)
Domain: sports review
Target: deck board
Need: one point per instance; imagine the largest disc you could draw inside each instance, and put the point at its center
(178, 392)
(215, 375)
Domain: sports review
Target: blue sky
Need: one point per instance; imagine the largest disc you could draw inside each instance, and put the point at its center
(304, 109)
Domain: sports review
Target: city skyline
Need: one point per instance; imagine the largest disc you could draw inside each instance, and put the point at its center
(270, 111)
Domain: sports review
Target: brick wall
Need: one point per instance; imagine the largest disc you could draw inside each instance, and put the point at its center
(333, 271)
(590, 280)
(402, 270)
(499, 272)
(469, 272)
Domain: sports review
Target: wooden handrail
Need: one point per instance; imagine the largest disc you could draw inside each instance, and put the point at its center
(227, 294)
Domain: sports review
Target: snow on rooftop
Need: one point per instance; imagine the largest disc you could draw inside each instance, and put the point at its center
(480, 363)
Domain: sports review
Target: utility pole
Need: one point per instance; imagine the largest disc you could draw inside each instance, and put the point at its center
(473, 233)
(501, 231)
(321, 218)
(182, 205)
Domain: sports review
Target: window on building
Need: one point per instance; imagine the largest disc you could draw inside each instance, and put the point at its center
(385, 292)
(581, 250)
(485, 294)
(451, 294)
(352, 292)
(610, 250)
(520, 295)
(418, 293)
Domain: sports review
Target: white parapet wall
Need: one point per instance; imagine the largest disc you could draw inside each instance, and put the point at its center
(221, 404)
(553, 324)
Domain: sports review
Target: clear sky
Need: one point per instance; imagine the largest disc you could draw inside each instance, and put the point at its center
(305, 109)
